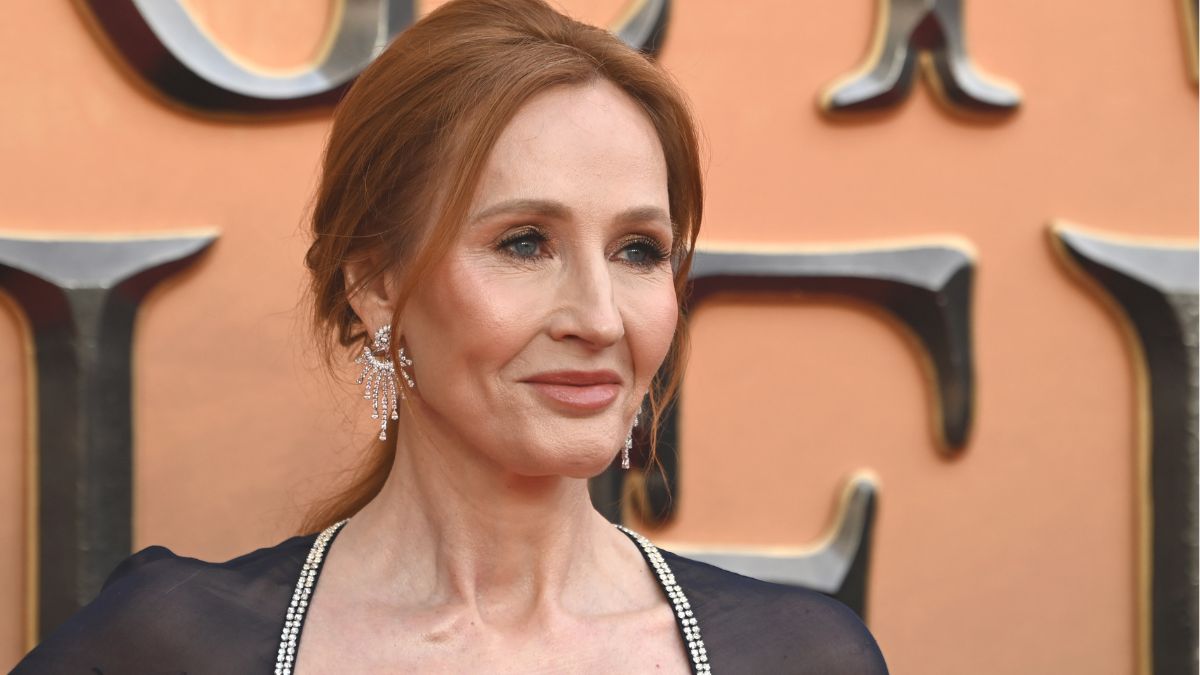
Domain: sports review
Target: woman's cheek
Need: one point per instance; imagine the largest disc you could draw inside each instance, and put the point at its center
(656, 318)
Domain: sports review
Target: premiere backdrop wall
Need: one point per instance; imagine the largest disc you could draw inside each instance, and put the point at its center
(912, 357)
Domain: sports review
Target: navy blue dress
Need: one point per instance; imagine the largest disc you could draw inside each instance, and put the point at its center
(162, 613)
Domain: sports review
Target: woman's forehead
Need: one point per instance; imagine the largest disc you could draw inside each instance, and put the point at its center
(577, 144)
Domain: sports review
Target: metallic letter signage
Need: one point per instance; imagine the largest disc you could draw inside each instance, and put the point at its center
(928, 289)
(643, 25)
(162, 42)
(931, 30)
(838, 568)
(1155, 289)
(80, 297)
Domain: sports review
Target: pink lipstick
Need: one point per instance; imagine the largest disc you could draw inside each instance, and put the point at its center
(582, 390)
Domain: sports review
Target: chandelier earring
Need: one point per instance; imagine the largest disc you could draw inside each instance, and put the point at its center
(405, 364)
(378, 378)
(629, 441)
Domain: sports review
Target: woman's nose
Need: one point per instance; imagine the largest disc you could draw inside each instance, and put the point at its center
(587, 306)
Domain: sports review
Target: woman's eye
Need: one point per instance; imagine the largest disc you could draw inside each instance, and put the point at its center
(643, 253)
(528, 245)
(637, 253)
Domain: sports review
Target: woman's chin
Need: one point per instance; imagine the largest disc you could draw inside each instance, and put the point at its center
(570, 463)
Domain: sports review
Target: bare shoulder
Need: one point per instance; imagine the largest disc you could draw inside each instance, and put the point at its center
(750, 625)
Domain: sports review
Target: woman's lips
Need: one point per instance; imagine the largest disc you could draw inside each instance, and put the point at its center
(581, 397)
(580, 390)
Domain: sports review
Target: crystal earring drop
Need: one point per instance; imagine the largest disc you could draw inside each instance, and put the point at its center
(405, 363)
(629, 443)
(378, 378)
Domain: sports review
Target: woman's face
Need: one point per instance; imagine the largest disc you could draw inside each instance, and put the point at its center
(536, 338)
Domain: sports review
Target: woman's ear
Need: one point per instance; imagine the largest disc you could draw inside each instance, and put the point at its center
(371, 293)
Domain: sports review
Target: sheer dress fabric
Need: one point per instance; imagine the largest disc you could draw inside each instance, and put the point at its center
(163, 613)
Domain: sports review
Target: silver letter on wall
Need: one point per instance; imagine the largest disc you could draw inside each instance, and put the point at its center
(1155, 287)
(162, 42)
(80, 297)
(931, 30)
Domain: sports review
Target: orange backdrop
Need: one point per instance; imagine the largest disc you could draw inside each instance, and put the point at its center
(1018, 556)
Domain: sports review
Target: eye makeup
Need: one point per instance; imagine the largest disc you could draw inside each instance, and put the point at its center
(529, 243)
(647, 252)
(524, 244)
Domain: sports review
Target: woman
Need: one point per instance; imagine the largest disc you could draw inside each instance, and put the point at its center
(504, 227)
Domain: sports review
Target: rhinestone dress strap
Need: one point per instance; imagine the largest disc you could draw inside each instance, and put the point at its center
(290, 638)
(683, 608)
(304, 588)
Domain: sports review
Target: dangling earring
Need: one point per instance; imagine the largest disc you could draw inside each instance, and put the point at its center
(629, 442)
(405, 362)
(379, 376)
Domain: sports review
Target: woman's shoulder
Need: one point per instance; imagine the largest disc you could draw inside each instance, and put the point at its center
(152, 567)
(157, 578)
(750, 625)
(164, 612)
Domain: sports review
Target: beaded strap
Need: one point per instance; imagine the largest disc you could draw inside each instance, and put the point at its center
(683, 608)
(304, 586)
(316, 555)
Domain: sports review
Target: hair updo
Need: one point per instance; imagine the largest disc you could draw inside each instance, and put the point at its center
(408, 145)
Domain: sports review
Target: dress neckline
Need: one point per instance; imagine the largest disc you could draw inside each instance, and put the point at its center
(289, 640)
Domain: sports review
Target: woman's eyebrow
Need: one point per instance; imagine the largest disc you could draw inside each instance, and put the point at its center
(644, 214)
(537, 207)
(553, 209)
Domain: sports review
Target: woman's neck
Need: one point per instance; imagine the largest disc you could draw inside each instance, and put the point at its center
(452, 528)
